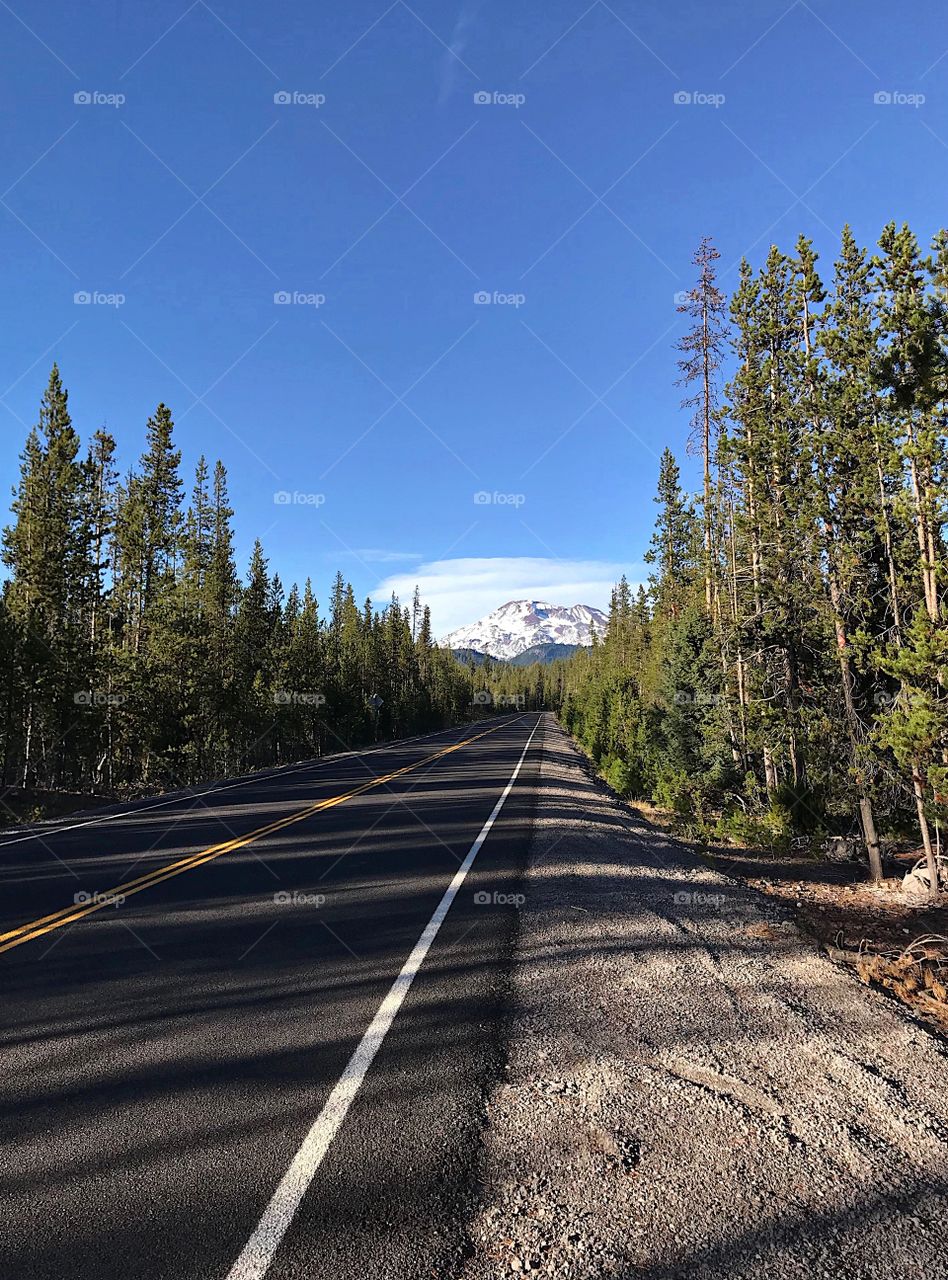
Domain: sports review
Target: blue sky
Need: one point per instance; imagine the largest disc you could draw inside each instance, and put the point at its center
(365, 420)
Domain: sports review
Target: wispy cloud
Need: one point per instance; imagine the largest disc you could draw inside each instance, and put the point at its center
(463, 590)
(456, 46)
(374, 555)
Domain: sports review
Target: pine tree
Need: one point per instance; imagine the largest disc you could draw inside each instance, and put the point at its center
(220, 607)
(843, 403)
(43, 550)
(161, 495)
(702, 351)
(672, 546)
(254, 633)
(912, 371)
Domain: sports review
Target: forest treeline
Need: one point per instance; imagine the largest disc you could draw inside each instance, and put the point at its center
(785, 671)
(136, 657)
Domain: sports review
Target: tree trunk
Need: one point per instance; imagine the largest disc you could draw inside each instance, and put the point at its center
(919, 788)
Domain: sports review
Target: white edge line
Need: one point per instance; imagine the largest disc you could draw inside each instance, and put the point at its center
(259, 1251)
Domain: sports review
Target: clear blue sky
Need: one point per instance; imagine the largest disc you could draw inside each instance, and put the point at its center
(583, 187)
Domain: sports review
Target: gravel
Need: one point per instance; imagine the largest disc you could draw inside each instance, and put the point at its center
(692, 1089)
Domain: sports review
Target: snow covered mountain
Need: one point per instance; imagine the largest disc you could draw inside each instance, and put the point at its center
(521, 624)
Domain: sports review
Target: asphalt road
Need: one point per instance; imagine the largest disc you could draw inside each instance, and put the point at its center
(164, 1058)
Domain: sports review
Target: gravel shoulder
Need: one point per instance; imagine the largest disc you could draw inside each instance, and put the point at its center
(692, 1089)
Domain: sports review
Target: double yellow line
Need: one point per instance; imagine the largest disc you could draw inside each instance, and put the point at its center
(113, 897)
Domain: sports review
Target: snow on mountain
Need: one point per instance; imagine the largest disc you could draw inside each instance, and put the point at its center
(520, 624)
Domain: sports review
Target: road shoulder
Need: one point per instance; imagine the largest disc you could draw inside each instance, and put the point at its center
(692, 1090)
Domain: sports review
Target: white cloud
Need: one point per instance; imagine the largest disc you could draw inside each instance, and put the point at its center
(461, 591)
(451, 67)
(378, 555)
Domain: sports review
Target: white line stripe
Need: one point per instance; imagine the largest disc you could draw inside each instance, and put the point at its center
(259, 1251)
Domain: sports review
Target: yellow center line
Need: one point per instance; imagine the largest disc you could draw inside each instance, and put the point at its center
(113, 897)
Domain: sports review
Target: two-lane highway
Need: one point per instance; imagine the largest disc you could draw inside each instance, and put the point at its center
(249, 1032)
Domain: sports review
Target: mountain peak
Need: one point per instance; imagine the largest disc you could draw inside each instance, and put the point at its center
(520, 624)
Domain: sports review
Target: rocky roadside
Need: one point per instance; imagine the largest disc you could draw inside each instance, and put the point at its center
(692, 1088)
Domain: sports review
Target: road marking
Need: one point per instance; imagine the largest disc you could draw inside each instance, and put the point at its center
(108, 898)
(264, 775)
(259, 1251)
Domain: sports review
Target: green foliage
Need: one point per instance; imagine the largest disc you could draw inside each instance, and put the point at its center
(133, 657)
(787, 672)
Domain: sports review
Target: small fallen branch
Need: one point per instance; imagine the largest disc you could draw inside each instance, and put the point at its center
(918, 974)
